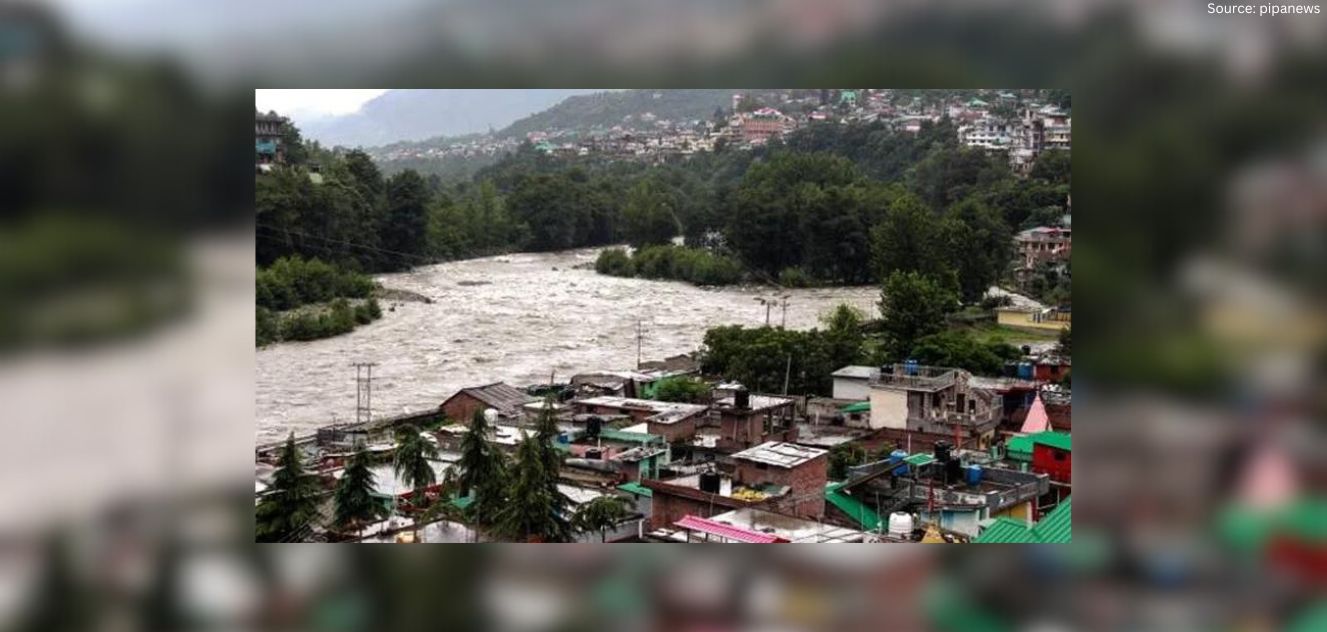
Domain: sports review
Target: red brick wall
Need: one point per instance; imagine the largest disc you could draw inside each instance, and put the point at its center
(461, 407)
(807, 481)
(667, 509)
(681, 431)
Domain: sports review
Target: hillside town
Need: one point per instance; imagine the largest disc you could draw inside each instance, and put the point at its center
(1015, 123)
(941, 413)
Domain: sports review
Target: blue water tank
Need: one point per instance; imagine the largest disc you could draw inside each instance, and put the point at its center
(974, 474)
(897, 455)
(1025, 370)
(910, 367)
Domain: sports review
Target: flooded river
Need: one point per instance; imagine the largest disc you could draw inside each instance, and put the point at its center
(514, 318)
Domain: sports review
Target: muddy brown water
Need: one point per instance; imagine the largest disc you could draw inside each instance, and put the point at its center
(514, 318)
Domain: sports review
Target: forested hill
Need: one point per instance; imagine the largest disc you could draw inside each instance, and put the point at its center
(604, 110)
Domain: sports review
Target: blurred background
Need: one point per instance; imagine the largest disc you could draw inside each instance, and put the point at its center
(126, 293)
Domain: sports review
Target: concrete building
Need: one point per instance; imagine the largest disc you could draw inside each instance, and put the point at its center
(779, 477)
(267, 130)
(754, 526)
(919, 405)
(675, 422)
(1045, 319)
(1042, 244)
(854, 382)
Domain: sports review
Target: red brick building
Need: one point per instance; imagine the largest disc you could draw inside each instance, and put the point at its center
(750, 420)
(778, 477)
(505, 399)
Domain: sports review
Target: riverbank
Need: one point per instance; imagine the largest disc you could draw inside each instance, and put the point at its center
(529, 316)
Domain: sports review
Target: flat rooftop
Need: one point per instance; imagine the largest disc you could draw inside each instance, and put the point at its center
(856, 372)
(796, 530)
(758, 402)
(780, 454)
(662, 412)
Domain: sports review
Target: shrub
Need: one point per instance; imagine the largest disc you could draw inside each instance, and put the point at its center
(615, 262)
(794, 277)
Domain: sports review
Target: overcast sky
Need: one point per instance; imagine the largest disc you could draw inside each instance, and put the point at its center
(313, 103)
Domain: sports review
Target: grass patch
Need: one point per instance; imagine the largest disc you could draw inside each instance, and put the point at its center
(993, 332)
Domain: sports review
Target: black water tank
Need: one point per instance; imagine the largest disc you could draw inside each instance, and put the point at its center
(709, 482)
(942, 451)
(594, 454)
(953, 472)
(592, 426)
(742, 399)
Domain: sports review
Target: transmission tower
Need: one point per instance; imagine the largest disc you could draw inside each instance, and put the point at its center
(364, 391)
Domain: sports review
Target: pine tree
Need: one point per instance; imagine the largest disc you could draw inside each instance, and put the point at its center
(354, 499)
(413, 453)
(290, 508)
(601, 514)
(531, 513)
(481, 471)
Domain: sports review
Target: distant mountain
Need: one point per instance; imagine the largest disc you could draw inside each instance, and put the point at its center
(607, 109)
(411, 115)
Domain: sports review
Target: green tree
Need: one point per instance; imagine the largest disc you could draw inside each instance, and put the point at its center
(1064, 345)
(907, 239)
(601, 514)
(289, 510)
(354, 499)
(913, 305)
(979, 247)
(962, 350)
(405, 227)
(681, 389)
(531, 511)
(614, 262)
(1052, 166)
(412, 462)
(650, 215)
(842, 457)
(481, 471)
(774, 200)
(844, 334)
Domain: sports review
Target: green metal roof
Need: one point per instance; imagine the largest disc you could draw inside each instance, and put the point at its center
(1006, 531)
(919, 459)
(634, 437)
(859, 407)
(1055, 528)
(1020, 447)
(637, 489)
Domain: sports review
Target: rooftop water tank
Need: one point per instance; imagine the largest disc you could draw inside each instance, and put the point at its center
(709, 482)
(742, 399)
(974, 474)
(900, 524)
(910, 367)
(897, 455)
(490, 415)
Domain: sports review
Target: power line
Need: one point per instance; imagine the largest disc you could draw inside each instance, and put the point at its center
(280, 230)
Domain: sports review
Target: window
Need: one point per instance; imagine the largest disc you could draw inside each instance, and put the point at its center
(1059, 456)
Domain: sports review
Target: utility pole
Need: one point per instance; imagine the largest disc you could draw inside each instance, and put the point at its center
(787, 370)
(639, 336)
(784, 323)
(364, 391)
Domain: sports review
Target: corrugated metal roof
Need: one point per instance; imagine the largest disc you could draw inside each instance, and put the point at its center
(629, 437)
(1006, 531)
(919, 459)
(1055, 528)
(780, 454)
(729, 532)
(859, 407)
(504, 397)
(637, 489)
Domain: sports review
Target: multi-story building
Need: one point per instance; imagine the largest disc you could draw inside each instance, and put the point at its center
(267, 130)
(783, 478)
(1043, 243)
(915, 406)
(758, 127)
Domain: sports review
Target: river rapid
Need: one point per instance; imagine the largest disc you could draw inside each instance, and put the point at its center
(514, 318)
